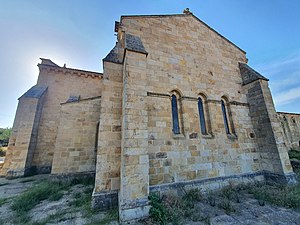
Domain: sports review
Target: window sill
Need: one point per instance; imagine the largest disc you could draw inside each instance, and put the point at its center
(178, 136)
(207, 136)
(232, 136)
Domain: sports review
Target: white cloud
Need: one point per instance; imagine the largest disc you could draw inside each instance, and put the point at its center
(291, 80)
(281, 67)
(287, 97)
(284, 75)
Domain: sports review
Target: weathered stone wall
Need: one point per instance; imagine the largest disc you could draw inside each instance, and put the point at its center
(193, 155)
(77, 137)
(61, 83)
(23, 140)
(290, 123)
(190, 58)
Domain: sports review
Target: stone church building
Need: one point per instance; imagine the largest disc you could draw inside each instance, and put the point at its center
(176, 106)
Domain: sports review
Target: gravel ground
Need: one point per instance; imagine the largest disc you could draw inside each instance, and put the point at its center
(247, 211)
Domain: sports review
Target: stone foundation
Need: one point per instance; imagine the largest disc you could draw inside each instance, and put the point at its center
(105, 200)
(208, 184)
(289, 179)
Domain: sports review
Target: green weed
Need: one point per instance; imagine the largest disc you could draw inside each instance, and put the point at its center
(158, 211)
(3, 201)
(111, 215)
(26, 180)
(228, 192)
(174, 209)
(30, 198)
(227, 206)
(285, 196)
(193, 195)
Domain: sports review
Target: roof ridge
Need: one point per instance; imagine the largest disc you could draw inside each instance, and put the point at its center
(187, 15)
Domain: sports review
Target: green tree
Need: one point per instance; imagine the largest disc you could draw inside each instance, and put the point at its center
(4, 136)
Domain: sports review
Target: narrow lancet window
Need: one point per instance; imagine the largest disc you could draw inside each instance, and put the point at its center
(225, 117)
(176, 129)
(202, 117)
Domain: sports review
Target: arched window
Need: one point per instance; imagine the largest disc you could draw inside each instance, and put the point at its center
(202, 116)
(176, 129)
(224, 112)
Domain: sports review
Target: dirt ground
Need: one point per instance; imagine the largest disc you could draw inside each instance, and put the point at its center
(246, 211)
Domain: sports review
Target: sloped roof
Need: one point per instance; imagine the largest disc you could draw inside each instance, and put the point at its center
(133, 43)
(249, 75)
(47, 63)
(112, 56)
(34, 92)
(184, 15)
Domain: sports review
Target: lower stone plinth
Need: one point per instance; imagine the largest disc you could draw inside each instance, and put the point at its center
(10, 174)
(288, 178)
(105, 200)
(134, 210)
(207, 184)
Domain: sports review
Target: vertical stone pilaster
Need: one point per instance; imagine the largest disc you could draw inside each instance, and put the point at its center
(269, 136)
(284, 160)
(107, 181)
(134, 189)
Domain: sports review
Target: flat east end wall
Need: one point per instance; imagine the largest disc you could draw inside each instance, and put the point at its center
(179, 107)
(155, 59)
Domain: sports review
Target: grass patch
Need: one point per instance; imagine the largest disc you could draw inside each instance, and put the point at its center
(174, 209)
(26, 181)
(45, 190)
(3, 201)
(80, 199)
(111, 215)
(285, 196)
(54, 218)
(297, 171)
(227, 206)
(21, 218)
(83, 200)
(51, 190)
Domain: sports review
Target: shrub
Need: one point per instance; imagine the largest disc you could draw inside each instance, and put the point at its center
(227, 206)
(158, 211)
(286, 196)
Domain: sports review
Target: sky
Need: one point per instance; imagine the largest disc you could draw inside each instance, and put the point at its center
(80, 33)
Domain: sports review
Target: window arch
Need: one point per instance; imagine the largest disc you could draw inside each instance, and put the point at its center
(202, 114)
(227, 118)
(175, 118)
(175, 103)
